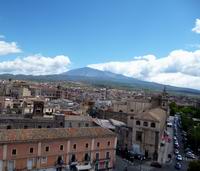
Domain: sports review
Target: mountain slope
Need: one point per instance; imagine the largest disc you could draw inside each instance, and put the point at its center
(104, 77)
(97, 77)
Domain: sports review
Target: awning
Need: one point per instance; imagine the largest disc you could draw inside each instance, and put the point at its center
(84, 167)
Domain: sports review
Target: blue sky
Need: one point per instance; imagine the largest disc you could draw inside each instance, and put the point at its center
(97, 31)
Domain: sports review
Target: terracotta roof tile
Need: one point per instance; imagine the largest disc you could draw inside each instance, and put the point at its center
(19, 135)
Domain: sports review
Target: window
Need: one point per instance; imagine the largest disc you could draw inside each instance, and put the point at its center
(74, 146)
(25, 126)
(127, 134)
(106, 164)
(86, 125)
(138, 136)
(108, 143)
(73, 159)
(97, 156)
(79, 124)
(132, 110)
(44, 160)
(107, 155)
(87, 157)
(96, 167)
(47, 148)
(145, 123)
(153, 125)
(8, 127)
(120, 111)
(86, 145)
(14, 152)
(61, 147)
(31, 150)
(70, 124)
(98, 144)
(61, 124)
(137, 122)
(48, 126)
(39, 126)
(131, 117)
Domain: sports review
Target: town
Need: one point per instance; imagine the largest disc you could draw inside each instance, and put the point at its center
(76, 126)
(99, 85)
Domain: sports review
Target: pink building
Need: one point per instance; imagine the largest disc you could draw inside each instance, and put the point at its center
(56, 148)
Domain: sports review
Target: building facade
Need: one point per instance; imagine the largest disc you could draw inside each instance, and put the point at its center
(69, 148)
(147, 131)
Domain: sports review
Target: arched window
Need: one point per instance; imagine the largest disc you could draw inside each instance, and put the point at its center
(137, 122)
(145, 123)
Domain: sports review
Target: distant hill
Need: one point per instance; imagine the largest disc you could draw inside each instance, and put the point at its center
(97, 77)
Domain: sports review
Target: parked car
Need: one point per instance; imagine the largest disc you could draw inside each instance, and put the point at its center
(176, 145)
(188, 150)
(136, 155)
(169, 124)
(176, 151)
(178, 166)
(179, 157)
(156, 164)
(190, 155)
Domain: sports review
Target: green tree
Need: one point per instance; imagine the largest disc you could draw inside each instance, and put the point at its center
(173, 108)
(194, 166)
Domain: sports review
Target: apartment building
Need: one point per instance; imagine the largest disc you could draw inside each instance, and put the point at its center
(56, 148)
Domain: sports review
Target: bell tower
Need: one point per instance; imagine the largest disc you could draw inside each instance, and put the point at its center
(165, 99)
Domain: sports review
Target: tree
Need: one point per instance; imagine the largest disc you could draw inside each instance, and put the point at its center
(173, 108)
(194, 166)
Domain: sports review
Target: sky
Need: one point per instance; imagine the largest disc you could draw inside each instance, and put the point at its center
(151, 40)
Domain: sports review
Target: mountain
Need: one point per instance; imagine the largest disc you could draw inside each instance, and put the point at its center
(106, 78)
(102, 78)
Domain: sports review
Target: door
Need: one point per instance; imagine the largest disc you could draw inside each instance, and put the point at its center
(11, 165)
(30, 163)
(1, 165)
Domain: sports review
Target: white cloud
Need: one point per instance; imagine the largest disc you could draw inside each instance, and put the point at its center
(179, 68)
(36, 65)
(196, 29)
(8, 48)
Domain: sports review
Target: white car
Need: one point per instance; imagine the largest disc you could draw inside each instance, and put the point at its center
(179, 157)
(169, 124)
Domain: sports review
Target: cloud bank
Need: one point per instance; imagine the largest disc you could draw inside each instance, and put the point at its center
(196, 29)
(179, 68)
(36, 65)
(8, 47)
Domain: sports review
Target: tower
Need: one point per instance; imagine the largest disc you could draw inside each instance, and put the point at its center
(164, 99)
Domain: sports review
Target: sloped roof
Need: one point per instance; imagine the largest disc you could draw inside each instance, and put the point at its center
(155, 114)
(78, 118)
(104, 123)
(21, 135)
